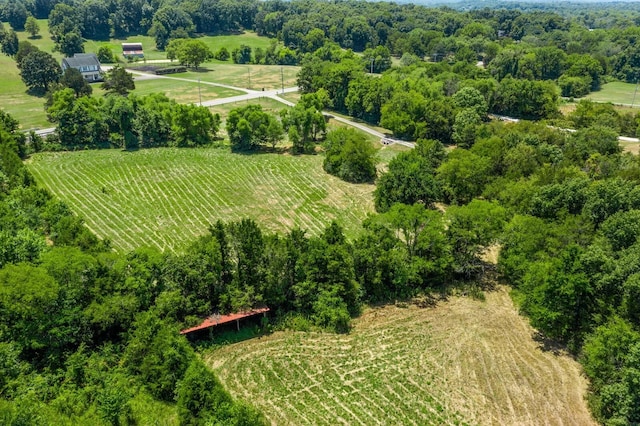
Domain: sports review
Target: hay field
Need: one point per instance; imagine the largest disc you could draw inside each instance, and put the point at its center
(461, 362)
(166, 197)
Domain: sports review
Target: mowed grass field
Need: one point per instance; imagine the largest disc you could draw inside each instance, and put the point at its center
(461, 362)
(231, 42)
(616, 92)
(182, 91)
(167, 197)
(254, 77)
(27, 109)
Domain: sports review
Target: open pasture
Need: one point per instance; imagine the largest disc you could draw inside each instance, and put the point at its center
(182, 91)
(167, 197)
(616, 92)
(254, 77)
(461, 362)
(151, 53)
(14, 99)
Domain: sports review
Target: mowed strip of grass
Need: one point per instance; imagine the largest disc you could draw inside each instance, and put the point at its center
(461, 362)
(616, 92)
(167, 197)
(182, 91)
(254, 77)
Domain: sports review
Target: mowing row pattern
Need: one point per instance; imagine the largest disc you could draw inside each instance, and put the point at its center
(166, 197)
(462, 362)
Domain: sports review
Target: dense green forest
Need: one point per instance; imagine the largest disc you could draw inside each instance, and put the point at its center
(88, 335)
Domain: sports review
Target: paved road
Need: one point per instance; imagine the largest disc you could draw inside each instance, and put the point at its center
(253, 94)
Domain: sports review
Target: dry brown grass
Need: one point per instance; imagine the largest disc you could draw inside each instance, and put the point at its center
(632, 147)
(461, 362)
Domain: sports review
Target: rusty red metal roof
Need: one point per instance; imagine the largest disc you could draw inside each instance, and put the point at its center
(214, 320)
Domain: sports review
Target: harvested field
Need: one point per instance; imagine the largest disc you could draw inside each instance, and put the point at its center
(461, 362)
(166, 197)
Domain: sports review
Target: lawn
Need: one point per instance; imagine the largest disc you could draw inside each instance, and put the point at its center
(167, 197)
(182, 91)
(255, 77)
(27, 109)
(616, 92)
(151, 53)
(461, 362)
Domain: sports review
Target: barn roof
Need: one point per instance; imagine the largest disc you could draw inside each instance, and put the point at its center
(214, 320)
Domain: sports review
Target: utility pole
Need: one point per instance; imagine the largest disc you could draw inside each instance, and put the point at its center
(199, 92)
(282, 77)
(372, 61)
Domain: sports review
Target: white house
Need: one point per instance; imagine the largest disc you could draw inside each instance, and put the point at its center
(86, 63)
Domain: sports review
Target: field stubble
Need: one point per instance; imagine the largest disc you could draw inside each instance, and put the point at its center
(461, 362)
(166, 197)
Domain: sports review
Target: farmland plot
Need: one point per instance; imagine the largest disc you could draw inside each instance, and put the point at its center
(167, 197)
(462, 362)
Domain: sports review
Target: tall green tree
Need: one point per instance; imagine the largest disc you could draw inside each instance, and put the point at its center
(73, 79)
(349, 156)
(70, 43)
(31, 26)
(39, 70)
(15, 12)
(249, 127)
(411, 177)
(118, 81)
(9, 43)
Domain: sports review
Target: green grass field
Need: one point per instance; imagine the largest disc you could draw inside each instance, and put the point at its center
(461, 362)
(151, 53)
(166, 197)
(183, 91)
(616, 92)
(29, 110)
(262, 76)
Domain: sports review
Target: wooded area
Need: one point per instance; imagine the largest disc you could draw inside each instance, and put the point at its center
(87, 333)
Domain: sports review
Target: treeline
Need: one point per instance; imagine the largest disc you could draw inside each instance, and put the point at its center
(425, 100)
(128, 122)
(578, 47)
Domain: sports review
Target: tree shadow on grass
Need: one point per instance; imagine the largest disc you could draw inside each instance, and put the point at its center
(546, 344)
(37, 92)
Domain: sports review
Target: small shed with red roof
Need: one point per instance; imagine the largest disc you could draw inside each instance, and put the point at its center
(216, 320)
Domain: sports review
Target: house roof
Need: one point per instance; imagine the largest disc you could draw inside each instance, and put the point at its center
(82, 60)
